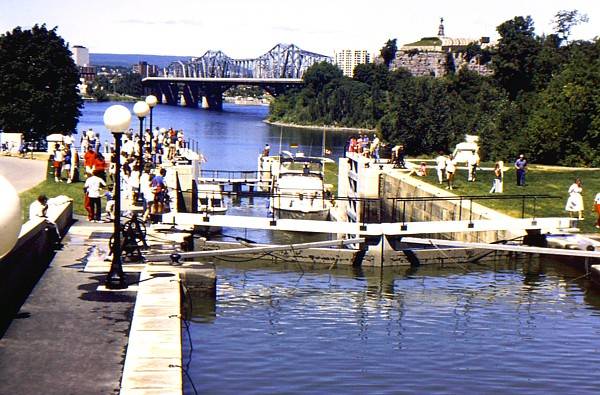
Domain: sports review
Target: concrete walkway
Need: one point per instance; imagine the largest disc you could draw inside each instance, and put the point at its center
(69, 338)
(23, 174)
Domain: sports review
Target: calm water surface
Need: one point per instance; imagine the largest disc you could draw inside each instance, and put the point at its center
(278, 328)
(514, 329)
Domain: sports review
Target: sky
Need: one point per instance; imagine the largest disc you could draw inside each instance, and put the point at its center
(248, 29)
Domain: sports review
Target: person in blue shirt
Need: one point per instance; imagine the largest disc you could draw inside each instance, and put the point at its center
(521, 166)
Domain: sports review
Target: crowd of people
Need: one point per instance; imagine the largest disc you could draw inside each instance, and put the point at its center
(363, 145)
(142, 173)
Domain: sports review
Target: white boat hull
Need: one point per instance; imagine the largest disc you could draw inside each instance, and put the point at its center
(320, 215)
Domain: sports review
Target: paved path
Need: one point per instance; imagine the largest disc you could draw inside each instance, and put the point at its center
(23, 173)
(68, 338)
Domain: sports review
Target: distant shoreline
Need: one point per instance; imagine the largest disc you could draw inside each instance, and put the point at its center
(316, 127)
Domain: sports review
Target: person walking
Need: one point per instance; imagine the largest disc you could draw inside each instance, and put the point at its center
(93, 187)
(59, 157)
(597, 209)
(497, 183)
(440, 167)
(472, 163)
(575, 200)
(67, 163)
(450, 170)
(521, 166)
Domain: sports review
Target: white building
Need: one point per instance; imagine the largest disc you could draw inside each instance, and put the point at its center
(81, 56)
(348, 59)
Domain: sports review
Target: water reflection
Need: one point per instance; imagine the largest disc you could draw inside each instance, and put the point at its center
(357, 330)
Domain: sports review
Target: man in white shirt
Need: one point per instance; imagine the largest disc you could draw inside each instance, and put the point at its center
(472, 163)
(93, 187)
(440, 167)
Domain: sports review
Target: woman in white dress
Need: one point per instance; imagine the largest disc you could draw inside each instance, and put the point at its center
(575, 201)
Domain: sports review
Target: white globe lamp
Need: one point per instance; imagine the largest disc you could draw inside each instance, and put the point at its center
(117, 118)
(141, 109)
(10, 216)
(151, 101)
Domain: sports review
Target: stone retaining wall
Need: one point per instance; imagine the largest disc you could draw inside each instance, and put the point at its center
(21, 269)
(401, 185)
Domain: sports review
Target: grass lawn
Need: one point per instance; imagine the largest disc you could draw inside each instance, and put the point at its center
(53, 189)
(539, 180)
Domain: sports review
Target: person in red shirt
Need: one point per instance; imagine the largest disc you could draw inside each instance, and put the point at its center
(99, 166)
(88, 161)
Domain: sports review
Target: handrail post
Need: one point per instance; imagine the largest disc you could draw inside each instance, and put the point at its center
(471, 225)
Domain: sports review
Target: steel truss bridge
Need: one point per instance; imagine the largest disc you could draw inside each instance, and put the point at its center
(206, 78)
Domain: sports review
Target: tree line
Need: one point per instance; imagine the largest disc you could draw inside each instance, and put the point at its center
(542, 99)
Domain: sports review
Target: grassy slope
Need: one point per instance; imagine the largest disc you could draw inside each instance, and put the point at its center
(52, 189)
(540, 180)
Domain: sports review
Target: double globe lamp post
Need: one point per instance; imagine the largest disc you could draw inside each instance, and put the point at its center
(151, 101)
(141, 109)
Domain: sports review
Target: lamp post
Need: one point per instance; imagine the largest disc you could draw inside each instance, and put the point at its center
(141, 109)
(117, 119)
(151, 101)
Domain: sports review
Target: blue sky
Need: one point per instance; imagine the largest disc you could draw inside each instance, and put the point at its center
(243, 28)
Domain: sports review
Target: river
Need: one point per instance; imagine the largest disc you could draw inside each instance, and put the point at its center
(509, 327)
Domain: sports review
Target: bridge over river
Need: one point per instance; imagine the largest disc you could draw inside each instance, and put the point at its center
(206, 78)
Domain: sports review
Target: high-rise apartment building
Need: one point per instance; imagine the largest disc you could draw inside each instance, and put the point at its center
(348, 59)
(81, 56)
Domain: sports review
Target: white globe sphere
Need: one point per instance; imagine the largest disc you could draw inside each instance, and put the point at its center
(151, 100)
(141, 109)
(10, 216)
(117, 118)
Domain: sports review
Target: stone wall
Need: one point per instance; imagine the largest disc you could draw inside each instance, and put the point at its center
(400, 185)
(21, 269)
(426, 63)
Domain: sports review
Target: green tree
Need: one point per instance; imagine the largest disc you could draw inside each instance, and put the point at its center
(514, 60)
(564, 21)
(564, 127)
(388, 52)
(129, 84)
(38, 83)
(320, 74)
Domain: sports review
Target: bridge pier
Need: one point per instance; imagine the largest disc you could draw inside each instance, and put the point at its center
(170, 92)
(191, 95)
(213, 100)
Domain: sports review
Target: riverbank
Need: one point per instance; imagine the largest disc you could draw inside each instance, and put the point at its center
(317, 127)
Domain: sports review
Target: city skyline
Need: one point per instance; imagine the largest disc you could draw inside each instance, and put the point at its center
(245, 29)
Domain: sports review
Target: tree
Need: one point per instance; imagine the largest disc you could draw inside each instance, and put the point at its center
(129, 84)
(564, 21)
(320, 74)
(38, 83)
(388, 52)
(514, 60)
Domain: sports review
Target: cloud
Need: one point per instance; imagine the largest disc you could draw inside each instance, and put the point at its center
(188, 22)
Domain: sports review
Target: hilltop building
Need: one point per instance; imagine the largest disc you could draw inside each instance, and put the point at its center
(438, 55)
(348, 59)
